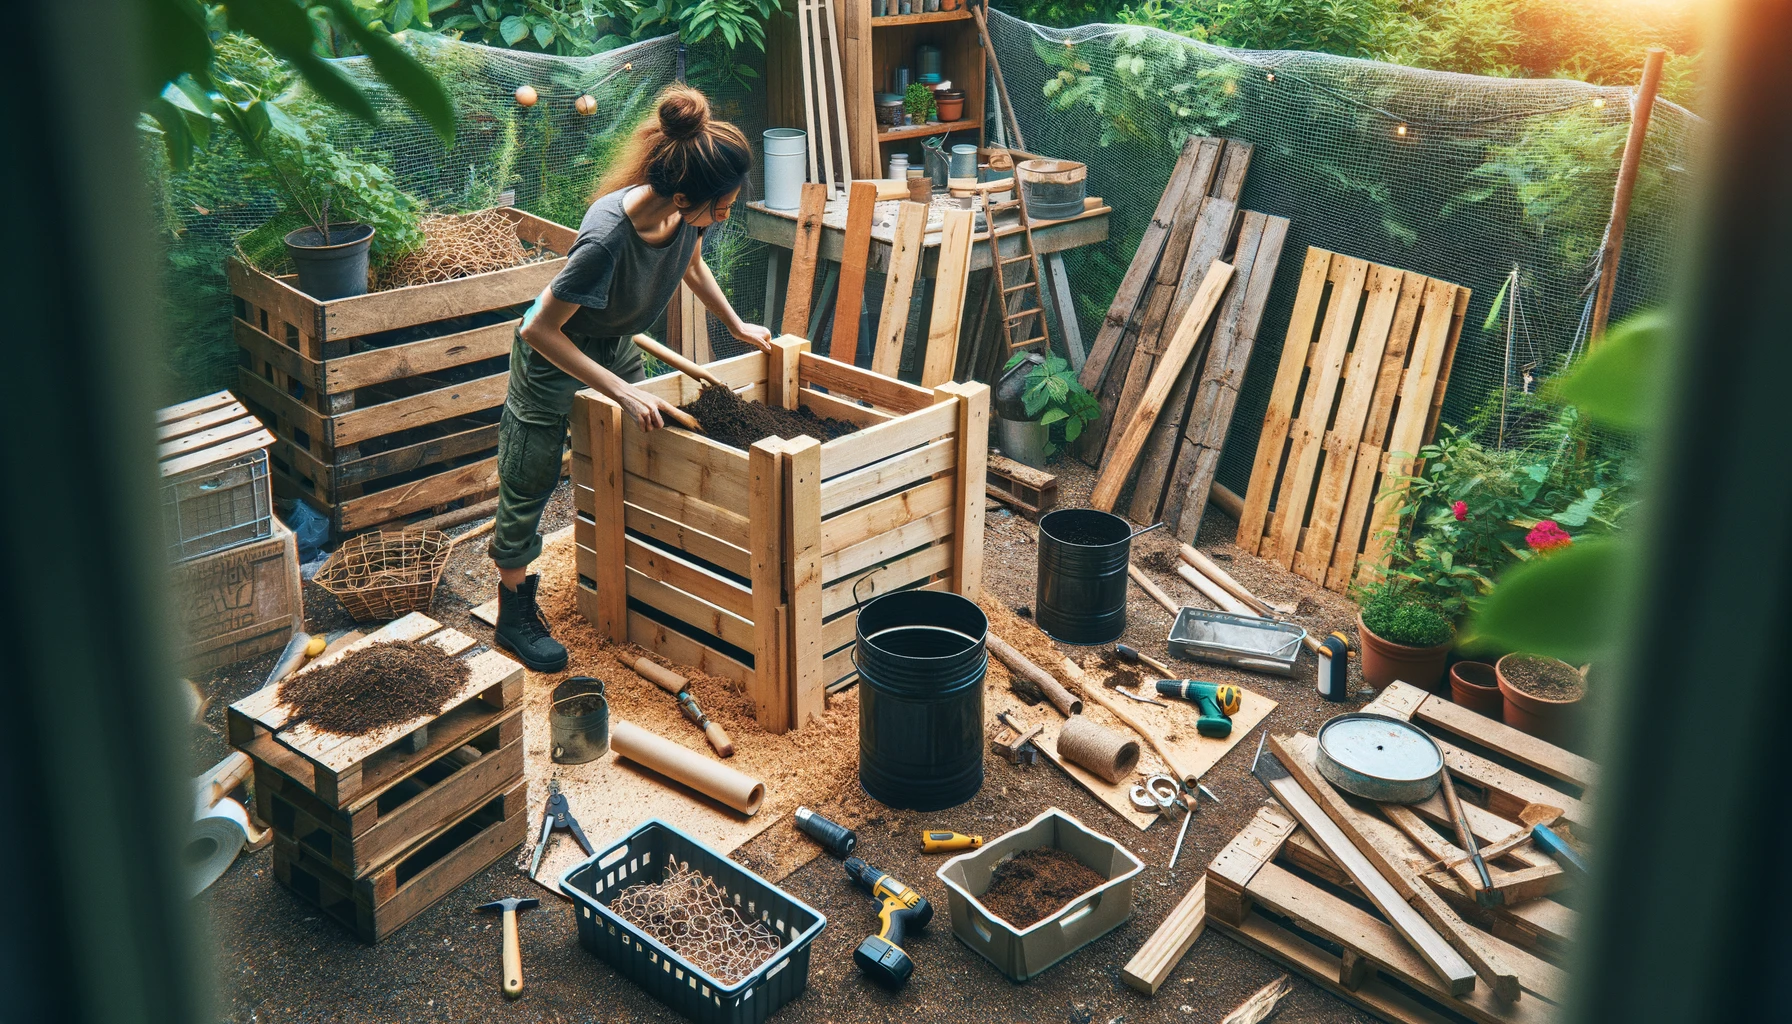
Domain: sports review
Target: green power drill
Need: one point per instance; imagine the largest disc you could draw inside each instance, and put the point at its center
(903, 910)
(1218, 702)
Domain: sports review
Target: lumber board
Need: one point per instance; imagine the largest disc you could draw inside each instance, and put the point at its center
(396, 362)
(711, 618)
(670, 533)
(874, 444)
(885, 393)
(688, 576)
(766, 546)
(875, 550)
(1239, 861)
(912, 568)
(1150, 967)
(888, 513)
(829, 407)
(970, 401)
(473, 480)
(686, 462)
(803, 579)
(725, 525)
(1403, 700)
(899, 288)
(370, 421)
(951, 284)
(677, 647)
(860, 210)
(913, 466)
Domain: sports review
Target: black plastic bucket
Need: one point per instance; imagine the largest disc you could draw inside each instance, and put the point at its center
(333, 268)
(1081, 596)
(921, 662)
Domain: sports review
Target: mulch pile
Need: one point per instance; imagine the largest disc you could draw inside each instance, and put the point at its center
(731, 420)
(378, 686)
(1544, 677)
(1035, 884)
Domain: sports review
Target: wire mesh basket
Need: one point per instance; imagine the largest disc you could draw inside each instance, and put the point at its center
(217, 507)
(381, 576)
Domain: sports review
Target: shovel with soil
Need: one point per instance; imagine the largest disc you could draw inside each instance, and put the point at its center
(722, 415)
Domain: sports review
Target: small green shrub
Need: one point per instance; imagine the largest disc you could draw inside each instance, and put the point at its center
(1399, 615)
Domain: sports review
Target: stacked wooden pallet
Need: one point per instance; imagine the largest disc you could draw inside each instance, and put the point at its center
(748, 565)
(1281, 889)
(1173, 349)
(374, 829)
(386, 404)
(1358, 392)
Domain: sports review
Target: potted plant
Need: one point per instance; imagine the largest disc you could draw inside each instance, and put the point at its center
(1404, 635)
(917, 102)
(1040, 406)
(1542, 695)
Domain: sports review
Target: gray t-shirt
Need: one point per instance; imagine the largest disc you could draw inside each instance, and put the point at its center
(620, 283)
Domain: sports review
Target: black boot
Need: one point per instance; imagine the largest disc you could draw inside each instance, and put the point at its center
(521, 631)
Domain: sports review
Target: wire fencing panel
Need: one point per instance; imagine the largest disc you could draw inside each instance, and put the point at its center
(1454, 176)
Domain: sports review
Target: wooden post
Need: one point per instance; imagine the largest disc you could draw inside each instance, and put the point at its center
(765, 538)
(603, 437)
(952, 279)
(804, 250)
(802, 580)
(973, 469)
(781, 384)
(1627, 168)
(860, 211)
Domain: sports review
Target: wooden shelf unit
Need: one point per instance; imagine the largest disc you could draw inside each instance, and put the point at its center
(921, 131)
(889, 20)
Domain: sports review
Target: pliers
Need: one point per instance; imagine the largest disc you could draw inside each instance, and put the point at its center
(558, 816)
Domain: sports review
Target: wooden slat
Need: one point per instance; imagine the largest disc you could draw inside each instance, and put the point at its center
(874, 444)
(419, 410)
(172, 414)
(881, 548)
(263, 707)
(829, 407)
(971, 400)
(802, 259)
(486, 670)
(803, 578)
(1403, 700)
(851, 382)
(263, 348)
(710, 618)
(898, 574)
(952, 278)
(677, 647)
(687, 463)
(425, 303)
(767, 554)
(674, 534)
(197, 442)
(899, 288)
(1328, 970)
(297, 415)
(477, 478)
(1150, 967)
(860, 211)
(888, 513)
(723, 524)
(910, 467)
(395, 362)
(689, 577)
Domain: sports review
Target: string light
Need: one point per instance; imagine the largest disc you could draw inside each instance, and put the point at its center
(1270, 76)
(1598, 102)
(1400, 130)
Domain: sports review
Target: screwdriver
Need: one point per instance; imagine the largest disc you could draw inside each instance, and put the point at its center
(945, 842)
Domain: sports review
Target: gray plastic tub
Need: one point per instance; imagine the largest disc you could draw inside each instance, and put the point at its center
(1022, 953)
(1242, 641)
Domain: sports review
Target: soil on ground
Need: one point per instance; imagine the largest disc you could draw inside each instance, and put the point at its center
(1545, 678)
(1033, 885)
(730, 419)
(1159, 562)
(382, 685)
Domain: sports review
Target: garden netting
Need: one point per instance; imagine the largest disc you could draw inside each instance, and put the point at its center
(1454, 176)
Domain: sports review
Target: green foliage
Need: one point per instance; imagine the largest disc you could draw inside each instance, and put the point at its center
(1616, 379)
(733, 21)
(1053, 396)
(569, 28)
(1352, 28)
(1401, 614)
(918, 102)
(1064, 13)
(1158, 94)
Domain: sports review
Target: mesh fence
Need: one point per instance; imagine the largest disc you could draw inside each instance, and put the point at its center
(545, 159)
(1454, 176)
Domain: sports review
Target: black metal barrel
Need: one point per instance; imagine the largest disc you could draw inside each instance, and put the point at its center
(921, 662)
(1081, 596)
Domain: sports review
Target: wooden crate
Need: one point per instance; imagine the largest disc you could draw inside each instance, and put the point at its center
(214, 463)
(375, 905)
(345, 772)
(240, 602)
(1275, 889)
(386, 404)
(743, 564)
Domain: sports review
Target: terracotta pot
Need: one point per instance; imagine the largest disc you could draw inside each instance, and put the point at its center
(1385, 661)
(1475, 686)
(1557, 721)
(949, 5)
(950, 103)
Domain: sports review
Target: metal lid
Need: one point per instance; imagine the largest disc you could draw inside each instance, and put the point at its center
(1379, 758)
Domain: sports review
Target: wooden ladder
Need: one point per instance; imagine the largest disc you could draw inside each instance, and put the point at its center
(1015, 310)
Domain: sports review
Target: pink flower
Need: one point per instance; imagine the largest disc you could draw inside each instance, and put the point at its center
(1546, 536)
(1460, 511)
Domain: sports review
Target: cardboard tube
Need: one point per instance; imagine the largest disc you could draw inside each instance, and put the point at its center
(1102, 751)
(655, 673)
(682, 764)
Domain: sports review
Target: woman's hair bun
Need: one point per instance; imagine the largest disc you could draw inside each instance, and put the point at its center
(683, 113)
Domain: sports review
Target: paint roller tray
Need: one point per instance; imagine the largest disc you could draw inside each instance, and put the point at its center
(642, 857)
(1242, 641)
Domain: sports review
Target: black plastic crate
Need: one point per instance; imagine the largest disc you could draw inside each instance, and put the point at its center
(642, 857)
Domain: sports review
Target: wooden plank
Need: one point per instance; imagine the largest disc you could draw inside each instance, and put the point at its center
(1150, 967)
(710, 618)
(1065, 301)
(855, 558)
(688, 463)
(683, 650)
(1234, 866)
(904, 470)
(477, 478)
(200, 443)
(723, 524)
(899, 288)
(1443, 371)
(1403, 700)
(172, 414)
(290, 413)
(688, 576)
(395, 362)
(804, 252)
(888, 513)
(1509, 793)
(266, 351)
(673, 534)
(874, 444)
(263, 707)
(884, 579)
(422, 455)
(951, 283)
(860, 211)
(1335, 974)
(1457, 976)
(971, 400)
(419, 410)
(425, 303)
(766, 533)
(781, 371)
(828, 407)
(803, 579)
(1119, 461)
(883, 392)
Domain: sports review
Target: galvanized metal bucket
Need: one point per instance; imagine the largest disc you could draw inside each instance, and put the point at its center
(579, 735)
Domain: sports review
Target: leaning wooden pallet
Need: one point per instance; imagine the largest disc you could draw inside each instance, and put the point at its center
(744, 564)
(386, 404)
(1353, 400)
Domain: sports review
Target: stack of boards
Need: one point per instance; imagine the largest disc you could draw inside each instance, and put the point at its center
(374, 829)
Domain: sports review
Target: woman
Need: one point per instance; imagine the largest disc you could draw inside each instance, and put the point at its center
(640, 237)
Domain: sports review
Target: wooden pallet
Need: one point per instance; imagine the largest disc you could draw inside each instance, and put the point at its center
(1361, 383)
(1031, 492)
(377, 904)
(240, 602)
(743, 564)
(386, 404)
(343, 770)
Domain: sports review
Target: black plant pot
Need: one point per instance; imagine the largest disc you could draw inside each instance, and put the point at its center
(333, 268)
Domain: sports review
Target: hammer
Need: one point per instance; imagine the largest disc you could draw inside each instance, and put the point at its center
(513, 952)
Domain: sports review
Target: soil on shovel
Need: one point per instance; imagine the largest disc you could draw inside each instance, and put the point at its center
(1545, 678)
(1035, 884)
(736, 422)
(375, 687)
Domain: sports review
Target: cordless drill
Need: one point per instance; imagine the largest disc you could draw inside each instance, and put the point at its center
(903, 910)
(1218, 702)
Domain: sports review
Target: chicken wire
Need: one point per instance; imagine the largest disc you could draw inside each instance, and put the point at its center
(1454, 176)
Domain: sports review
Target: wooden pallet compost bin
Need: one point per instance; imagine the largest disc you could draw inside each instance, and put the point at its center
(386, 404)
(745, 564)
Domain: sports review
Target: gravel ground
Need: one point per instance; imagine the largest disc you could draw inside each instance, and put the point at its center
(279, 959)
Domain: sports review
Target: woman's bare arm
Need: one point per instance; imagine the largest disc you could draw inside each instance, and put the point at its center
(703, 285)
(545, 334)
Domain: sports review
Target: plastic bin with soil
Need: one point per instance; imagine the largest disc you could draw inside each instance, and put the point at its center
(730, 419)
(1033, 885)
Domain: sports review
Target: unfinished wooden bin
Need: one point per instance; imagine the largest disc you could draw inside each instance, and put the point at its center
(386, 404)
(745, 564)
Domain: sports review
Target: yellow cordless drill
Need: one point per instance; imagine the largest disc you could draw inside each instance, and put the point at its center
(903, 910)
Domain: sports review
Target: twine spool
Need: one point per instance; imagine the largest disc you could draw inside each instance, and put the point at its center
(1102, 751)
